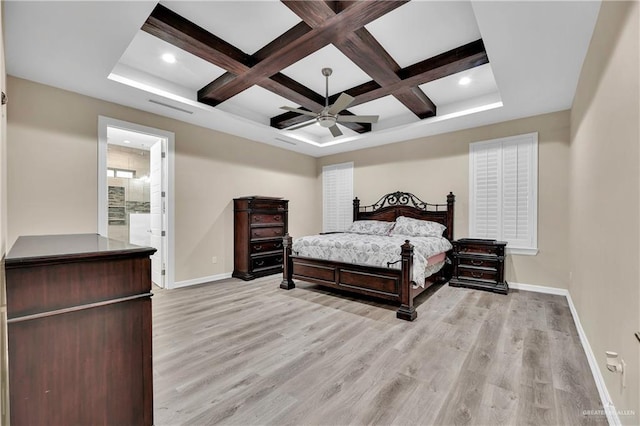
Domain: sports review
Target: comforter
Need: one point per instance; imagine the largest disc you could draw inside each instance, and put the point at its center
(374, 250)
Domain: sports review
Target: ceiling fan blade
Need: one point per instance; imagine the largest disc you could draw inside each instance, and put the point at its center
(299, 111)
(341, 103)
(308, 123)
(358, 118)
(335, 131)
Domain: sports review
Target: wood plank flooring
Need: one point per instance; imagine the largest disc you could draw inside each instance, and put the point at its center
(245, 353)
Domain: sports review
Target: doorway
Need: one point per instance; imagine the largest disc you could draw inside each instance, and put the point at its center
(135, 188)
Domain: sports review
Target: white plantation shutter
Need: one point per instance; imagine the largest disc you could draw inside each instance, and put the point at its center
(503, 191)
(337, 197)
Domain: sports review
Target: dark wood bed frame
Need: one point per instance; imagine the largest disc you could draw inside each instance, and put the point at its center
(385, 283)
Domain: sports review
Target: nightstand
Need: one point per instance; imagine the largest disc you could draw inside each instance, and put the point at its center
(479, 264)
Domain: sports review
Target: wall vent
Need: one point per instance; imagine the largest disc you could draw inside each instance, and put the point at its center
(286, 141)
(153, 101)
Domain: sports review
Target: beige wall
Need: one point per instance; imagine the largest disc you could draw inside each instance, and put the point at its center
(52, 176)
(431, 167)
(605, 198)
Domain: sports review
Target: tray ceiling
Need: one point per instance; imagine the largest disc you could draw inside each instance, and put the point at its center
(237, 62)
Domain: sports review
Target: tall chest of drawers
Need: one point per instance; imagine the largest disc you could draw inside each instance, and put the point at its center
(479, 264)
(259, 225)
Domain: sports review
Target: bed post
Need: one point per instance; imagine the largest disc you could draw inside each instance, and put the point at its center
(406, 310)
(451, 199)
(356, 208)
(287, 265)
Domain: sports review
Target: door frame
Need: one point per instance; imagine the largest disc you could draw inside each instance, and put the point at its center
(168, 185)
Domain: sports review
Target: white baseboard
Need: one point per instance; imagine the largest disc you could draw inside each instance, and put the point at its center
(201, 280)
(539, 288)
(607, 404)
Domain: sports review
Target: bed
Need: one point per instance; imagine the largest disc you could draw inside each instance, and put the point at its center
(393, 281)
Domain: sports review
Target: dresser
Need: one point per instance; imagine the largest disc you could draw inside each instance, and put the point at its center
(479, 264)
(259, 225)
(79, 331)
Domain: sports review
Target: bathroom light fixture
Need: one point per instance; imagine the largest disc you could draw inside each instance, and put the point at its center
(464, 81)
(126, 141)
(169, 58)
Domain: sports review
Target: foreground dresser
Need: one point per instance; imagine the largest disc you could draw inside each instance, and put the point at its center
(259, 225)
(79, 331)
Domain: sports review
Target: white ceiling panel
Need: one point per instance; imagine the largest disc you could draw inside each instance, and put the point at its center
(308, 71)
(448, 90)
(145, 54)
(255, 103)
(248, 25)
(386, 107)
(422, 29)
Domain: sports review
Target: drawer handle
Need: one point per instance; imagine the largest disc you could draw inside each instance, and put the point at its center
(477, 274)
(258, 248)
(259, 262)
(256, 218)
(476, 262)
(279, 245)
(276, 232)
(277, 218)
(278, 259)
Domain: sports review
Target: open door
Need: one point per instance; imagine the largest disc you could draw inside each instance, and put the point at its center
(135, 186)
(157, 212)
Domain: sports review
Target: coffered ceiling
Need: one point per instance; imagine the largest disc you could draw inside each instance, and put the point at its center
(423, 67)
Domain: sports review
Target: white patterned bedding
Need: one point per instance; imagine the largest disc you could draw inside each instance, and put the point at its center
(373, 250)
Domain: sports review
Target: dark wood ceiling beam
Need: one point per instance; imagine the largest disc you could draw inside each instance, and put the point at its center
(176, 30)
(351, 19)
(366, 52)
(454, 61)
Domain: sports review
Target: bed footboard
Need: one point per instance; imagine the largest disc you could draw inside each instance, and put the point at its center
(385, 283)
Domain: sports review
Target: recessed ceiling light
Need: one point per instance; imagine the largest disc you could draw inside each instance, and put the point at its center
(464, 81)
(125, 141)
(169, 58)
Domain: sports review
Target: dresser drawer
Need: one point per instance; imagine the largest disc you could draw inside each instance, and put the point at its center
(269, 261)
(479, 261)
(477, 274)
(267, 218)
(270, 232)
(266, 246)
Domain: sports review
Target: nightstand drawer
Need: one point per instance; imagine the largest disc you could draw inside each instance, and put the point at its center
(479, 261)
(267, 218)
(477, 274)
(276, 231)
(477, 249)
(266, 246)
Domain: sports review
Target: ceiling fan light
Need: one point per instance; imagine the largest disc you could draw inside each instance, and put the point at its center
(326, 121)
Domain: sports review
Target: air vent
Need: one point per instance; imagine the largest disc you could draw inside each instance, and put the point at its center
(286, 141)
(153, 101)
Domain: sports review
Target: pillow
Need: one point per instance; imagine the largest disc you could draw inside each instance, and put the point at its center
(371, 227)
(417, 228)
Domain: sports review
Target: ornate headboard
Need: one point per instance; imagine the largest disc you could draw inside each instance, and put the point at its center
(396, 204)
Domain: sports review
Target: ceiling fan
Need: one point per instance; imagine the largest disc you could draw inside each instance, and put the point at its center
(329, 115)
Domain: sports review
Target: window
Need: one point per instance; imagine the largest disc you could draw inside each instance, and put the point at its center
(120, 173)
(337, 197)
(503, 191)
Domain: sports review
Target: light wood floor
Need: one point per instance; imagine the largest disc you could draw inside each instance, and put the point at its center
(244, 353)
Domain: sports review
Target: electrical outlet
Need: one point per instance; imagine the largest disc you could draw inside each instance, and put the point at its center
(214, 259)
